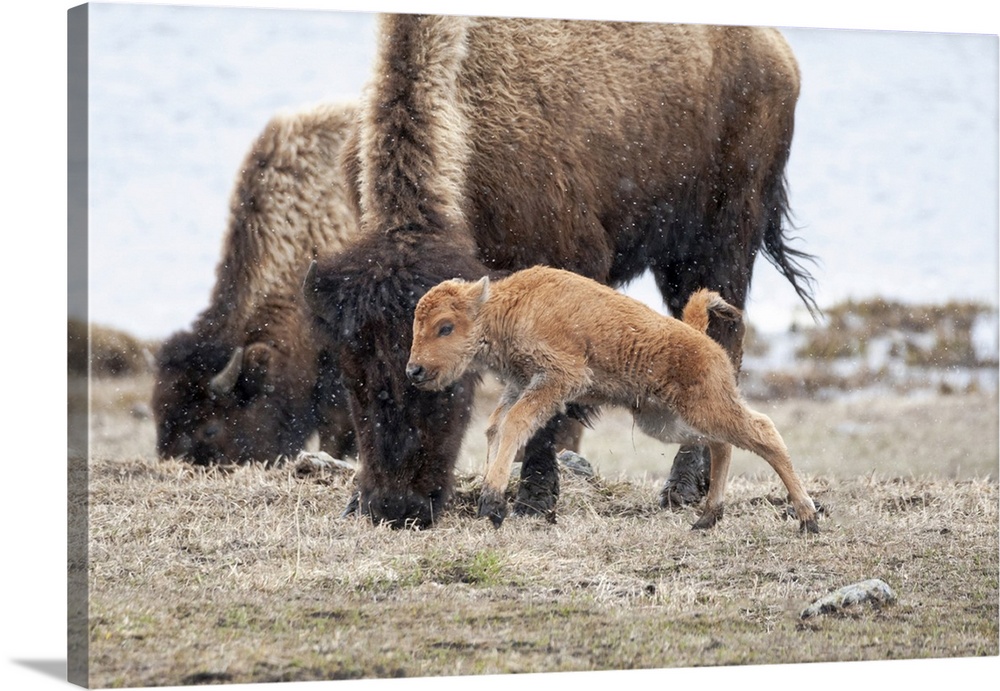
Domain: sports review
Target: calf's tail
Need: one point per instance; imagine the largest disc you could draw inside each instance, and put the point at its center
(703, 305)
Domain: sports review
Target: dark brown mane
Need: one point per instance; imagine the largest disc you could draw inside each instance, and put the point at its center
(412, 161)
(363, 301)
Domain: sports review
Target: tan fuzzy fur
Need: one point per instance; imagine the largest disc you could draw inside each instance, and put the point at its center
(555, 338)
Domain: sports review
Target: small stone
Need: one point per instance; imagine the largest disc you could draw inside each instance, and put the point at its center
(308, 462)
(875, 591)
(576, 463)
(141, 411)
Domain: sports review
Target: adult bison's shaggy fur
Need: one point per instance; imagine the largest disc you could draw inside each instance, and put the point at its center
(249, 381)
(491, 145)
(556, 338)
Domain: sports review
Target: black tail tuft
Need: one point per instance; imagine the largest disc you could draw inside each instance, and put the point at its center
(786, 259)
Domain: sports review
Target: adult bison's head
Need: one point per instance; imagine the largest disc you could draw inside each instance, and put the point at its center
(216, 402)
(362, 300)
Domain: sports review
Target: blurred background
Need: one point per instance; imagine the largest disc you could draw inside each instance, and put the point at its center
(893, 173)
(893, 184)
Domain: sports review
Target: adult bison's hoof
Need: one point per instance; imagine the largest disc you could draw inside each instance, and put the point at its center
(688, 481)
(708, 519)
(537, 494)
(493, 505)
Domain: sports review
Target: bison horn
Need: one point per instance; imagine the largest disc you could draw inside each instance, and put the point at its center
(225, 380)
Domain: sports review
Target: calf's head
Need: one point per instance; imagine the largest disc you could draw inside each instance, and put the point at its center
(445, 334)
(362, 301)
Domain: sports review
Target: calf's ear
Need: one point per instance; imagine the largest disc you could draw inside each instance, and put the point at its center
(481, 290)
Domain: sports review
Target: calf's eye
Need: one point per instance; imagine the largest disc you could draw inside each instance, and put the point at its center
(445, 329)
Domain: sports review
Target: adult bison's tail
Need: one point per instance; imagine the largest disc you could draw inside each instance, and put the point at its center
(413, 132)
(784, 258)
(703, 305)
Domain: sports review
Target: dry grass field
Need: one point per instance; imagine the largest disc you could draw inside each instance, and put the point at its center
(249, 575)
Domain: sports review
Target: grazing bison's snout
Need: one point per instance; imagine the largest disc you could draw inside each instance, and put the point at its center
(177, 446)
(196, 447)
(408, 441)
(405, 509)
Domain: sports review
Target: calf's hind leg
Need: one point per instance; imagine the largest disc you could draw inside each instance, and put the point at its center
(720, 455)
(718, 261)
(755, 432)
(765, 441)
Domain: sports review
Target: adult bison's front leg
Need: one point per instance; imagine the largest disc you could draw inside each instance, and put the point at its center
(539, 487)
(688, 481)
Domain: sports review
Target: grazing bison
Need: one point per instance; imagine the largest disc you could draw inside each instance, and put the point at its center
(557, 338)
(488, 145)
(249, 381)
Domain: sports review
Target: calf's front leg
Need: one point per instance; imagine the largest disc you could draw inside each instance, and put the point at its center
(507, 434)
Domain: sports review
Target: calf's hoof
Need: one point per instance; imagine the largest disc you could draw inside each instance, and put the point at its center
(493, 505)
(809, 525)
(688, 481)
(708, 519)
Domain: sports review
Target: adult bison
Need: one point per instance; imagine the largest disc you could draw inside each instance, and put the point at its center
(246, 382)
(489, 145)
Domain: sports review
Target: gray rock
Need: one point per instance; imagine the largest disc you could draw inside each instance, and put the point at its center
(308, 462)
(874, 591)
(576, 463)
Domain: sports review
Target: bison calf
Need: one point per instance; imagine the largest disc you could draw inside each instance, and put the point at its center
(555, 337)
